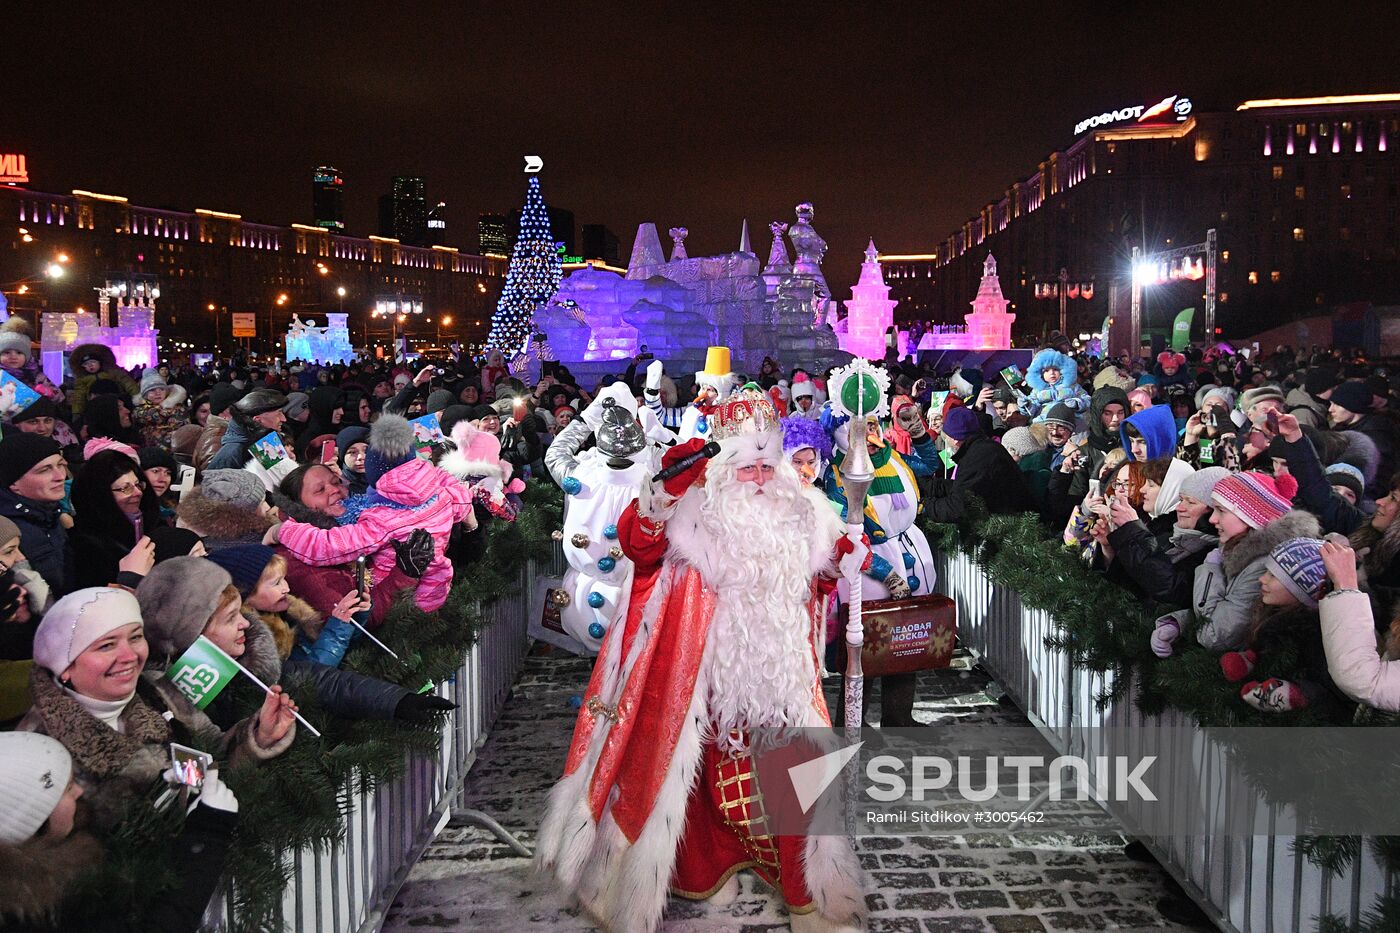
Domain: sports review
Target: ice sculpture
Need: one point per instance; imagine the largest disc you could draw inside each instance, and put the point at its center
(870, 311)
(678, 307)
(988, 326)
(311, 344)
(133, 340)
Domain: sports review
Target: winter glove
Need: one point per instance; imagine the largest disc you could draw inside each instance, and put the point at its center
(10, 596)
(1166, 631)
(693, 475)
(897, 585)
(852, 556)
(415, 555)
(654, 370)
(215, 794)
(1236, 665)
(1273, 696)
(421, 707)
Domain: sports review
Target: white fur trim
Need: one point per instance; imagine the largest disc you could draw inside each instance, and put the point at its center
(459, 466)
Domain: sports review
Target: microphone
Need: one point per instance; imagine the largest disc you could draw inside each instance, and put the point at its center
(685, 463)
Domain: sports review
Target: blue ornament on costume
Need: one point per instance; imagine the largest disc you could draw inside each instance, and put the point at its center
(702, 425)
(596, 630)
(596, 600)
(575, 701)
(908, 561)
(610, 532)
(606, 564)
(571, 486)
(913, 583)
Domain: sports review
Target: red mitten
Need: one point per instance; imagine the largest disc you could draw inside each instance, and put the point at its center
(1237, 664)
(1273, 696)
(693, 474)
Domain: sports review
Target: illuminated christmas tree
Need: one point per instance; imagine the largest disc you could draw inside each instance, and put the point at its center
(532, 278)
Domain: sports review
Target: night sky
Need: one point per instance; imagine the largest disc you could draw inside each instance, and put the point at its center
(896, 120)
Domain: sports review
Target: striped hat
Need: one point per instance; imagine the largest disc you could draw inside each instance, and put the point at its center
(1257, 498)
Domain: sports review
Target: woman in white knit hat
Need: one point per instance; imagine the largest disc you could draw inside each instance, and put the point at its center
(44, 850)
(90, 695)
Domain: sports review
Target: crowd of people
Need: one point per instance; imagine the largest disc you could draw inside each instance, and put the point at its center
(277, 511)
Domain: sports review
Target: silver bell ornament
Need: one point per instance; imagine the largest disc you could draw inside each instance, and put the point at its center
(615, 552)
(562, 598)
(579, 540)
(557, 535)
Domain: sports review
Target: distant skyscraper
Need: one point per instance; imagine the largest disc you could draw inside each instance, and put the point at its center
(403, 212)
(600, 243)
(561, 227)
(437, 225)
(491, 231)
(327, 198)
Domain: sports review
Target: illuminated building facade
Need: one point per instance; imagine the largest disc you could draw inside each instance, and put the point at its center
(214, 258)
(1303, 193)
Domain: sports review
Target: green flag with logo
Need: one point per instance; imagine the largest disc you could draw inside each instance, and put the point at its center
(202, 672)
(1181, 329)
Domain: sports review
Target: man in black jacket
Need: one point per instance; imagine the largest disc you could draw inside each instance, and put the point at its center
(32, 477)
(981, 466)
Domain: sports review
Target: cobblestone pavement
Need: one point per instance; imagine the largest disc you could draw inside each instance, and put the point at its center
(965, 883)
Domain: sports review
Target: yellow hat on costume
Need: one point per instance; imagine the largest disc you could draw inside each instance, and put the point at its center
(717, 373)
(717, 362)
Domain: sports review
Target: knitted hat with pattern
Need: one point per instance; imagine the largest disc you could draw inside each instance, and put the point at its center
(1257, 498)
(1297, 564)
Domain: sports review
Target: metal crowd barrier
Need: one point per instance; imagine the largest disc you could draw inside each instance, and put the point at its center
(1244, 883)
(350, 885)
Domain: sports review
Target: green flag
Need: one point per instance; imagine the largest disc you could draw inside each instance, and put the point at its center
(202, 672)
(1181, 329)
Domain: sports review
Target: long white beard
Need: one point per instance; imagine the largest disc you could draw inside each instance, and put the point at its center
(759, 667)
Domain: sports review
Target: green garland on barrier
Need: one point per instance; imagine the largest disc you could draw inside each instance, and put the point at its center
(300, 798)
(1104, 627)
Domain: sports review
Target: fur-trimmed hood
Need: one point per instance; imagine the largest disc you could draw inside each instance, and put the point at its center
(281, 630)
(221, 522)
(36, 875)
(99, 350)
(1051, 359)
(297, 512)
(1256, 543)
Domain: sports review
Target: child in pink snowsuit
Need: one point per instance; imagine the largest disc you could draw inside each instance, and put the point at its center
(406, 493)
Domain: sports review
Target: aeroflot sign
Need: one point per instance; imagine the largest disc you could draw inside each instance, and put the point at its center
(1167, 110)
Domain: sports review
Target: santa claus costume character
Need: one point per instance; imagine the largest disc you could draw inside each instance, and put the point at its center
(721, 637)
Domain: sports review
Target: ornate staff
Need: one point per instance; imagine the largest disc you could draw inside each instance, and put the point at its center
(858, 391)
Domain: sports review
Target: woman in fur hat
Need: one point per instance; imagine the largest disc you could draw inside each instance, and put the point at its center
(185, 597)
(91, 695)
(227, 507)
